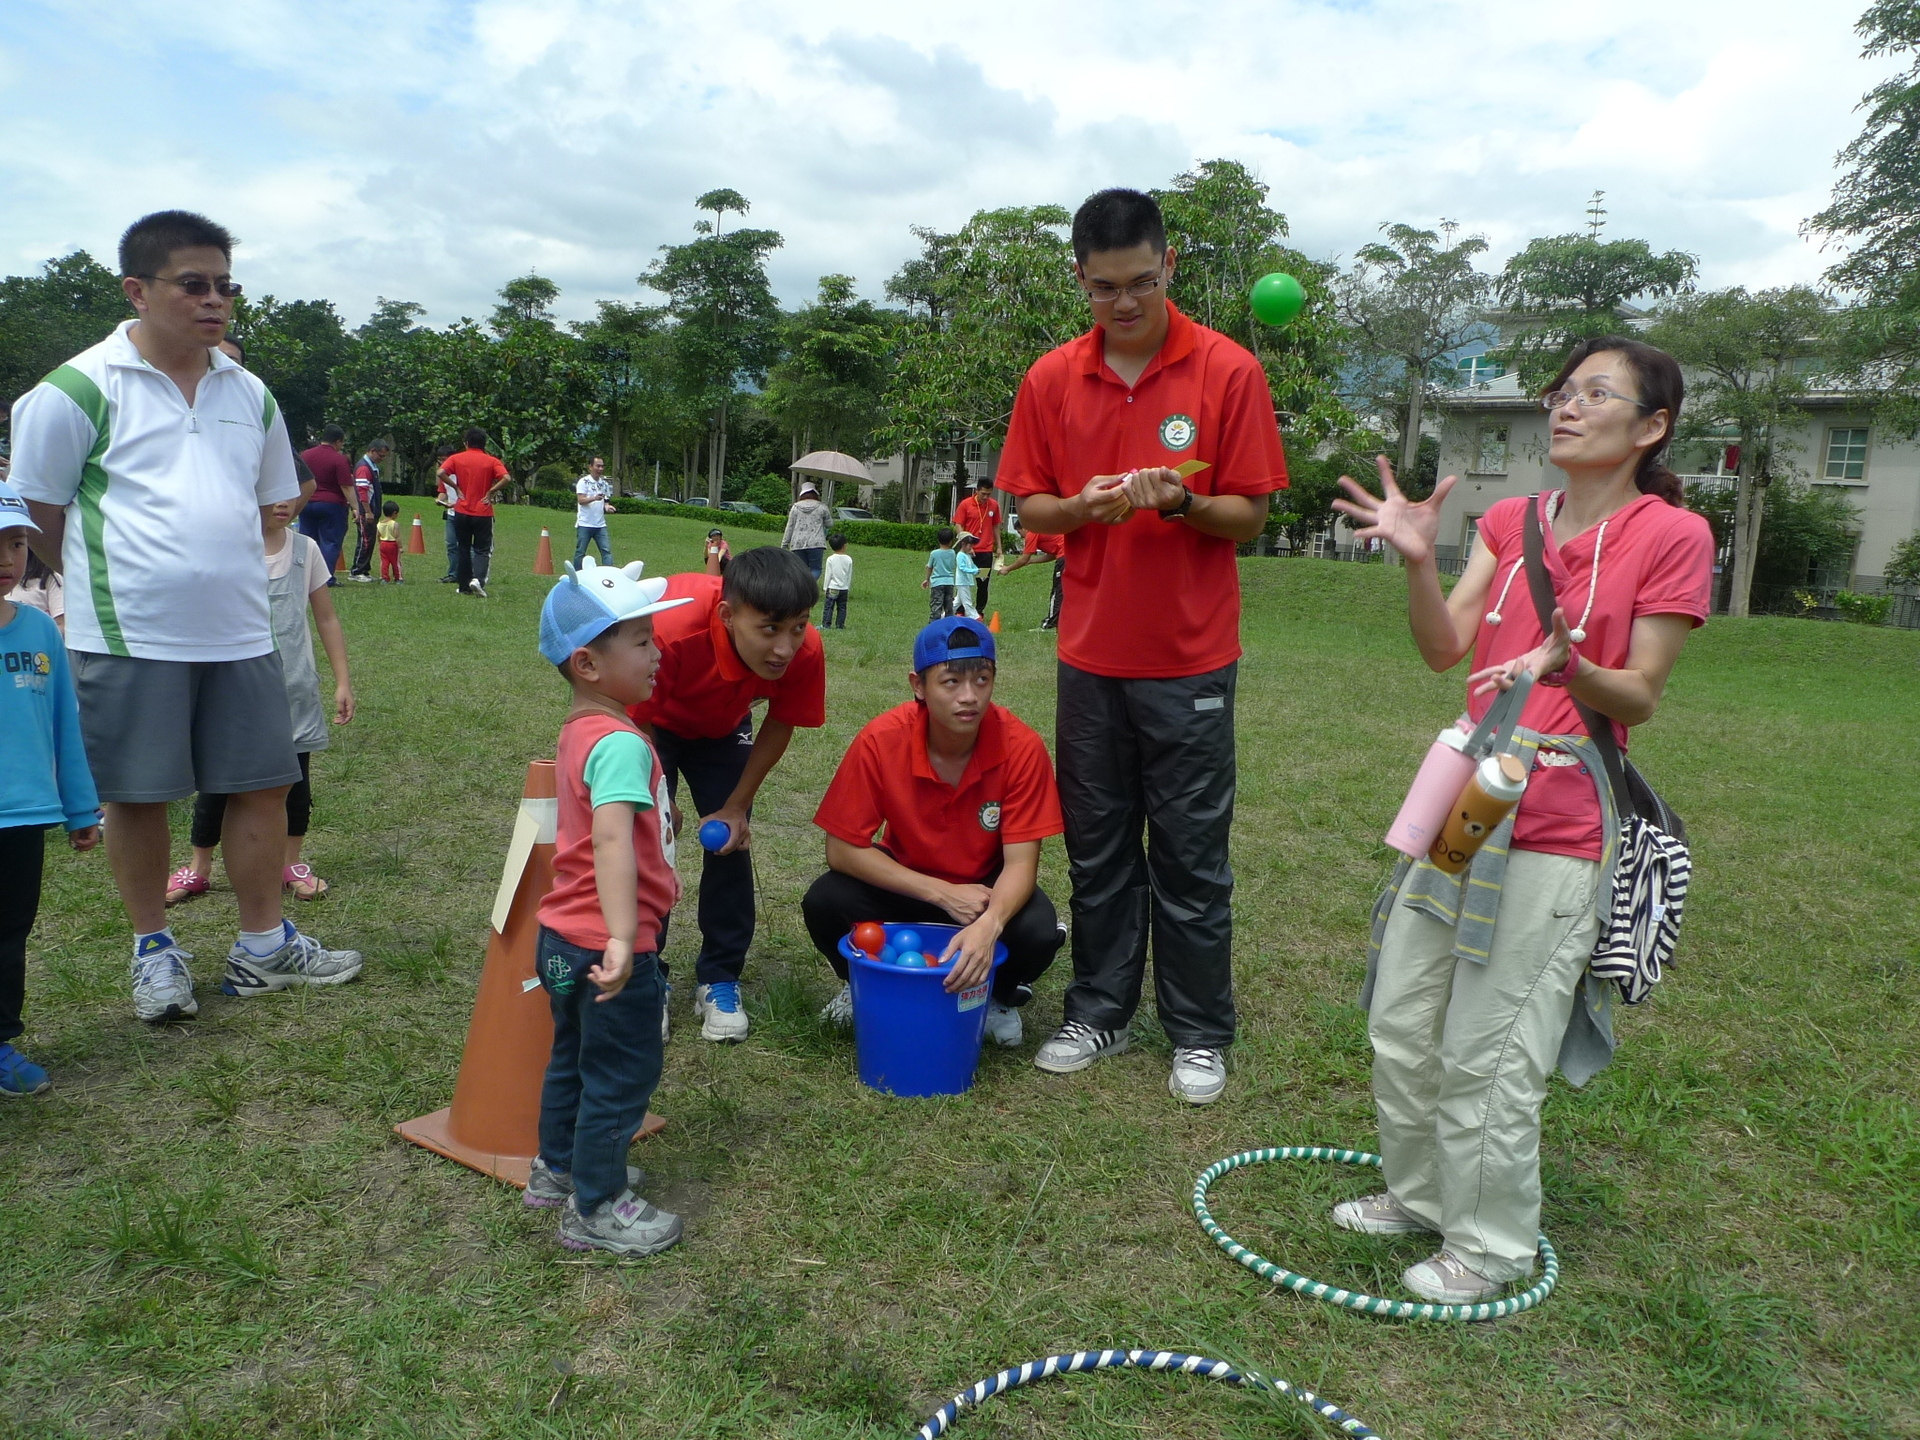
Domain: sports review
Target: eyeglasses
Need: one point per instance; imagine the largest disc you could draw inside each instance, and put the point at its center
(198, 284)
(1101, 294)
(1588, 398)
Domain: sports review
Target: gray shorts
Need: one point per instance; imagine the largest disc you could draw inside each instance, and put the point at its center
(159, 730)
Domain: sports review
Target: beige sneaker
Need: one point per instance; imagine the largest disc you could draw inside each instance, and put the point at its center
(1446, 1279)
(1378, 1215)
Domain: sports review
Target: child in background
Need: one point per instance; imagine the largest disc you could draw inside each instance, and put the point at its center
(44, 591)
(446, 496)
(389, 532)
(943, 573)
(600, 925)
(717, 553)
(44, 780)
(967, 576)
(838, 581)
(296, 582)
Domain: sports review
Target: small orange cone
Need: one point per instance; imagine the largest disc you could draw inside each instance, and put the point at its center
(993, 623)
(417, 538)
(340, 556)
(543, 557)
(493, 1125)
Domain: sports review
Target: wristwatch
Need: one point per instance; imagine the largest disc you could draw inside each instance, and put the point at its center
(1179, 512)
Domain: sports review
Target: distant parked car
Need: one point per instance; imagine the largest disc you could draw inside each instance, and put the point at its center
(741, 507)
(699, 500)
(853, 512)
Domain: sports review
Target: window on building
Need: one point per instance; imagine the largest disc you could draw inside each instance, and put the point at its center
(1478, 369)
(1846, 455)
(1492, 459)
(974, 452)
(1470, 537)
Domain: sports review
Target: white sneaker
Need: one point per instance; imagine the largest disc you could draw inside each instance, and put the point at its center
(302, 960)
(1003, 1025)
(162, 986)
(1199, 1074)
(722, 1017)
(839, 1010)
(1446, 1279)
(1378, 1215)
(363, 579)
(1077, 1045)
(476, 588)
(626, 1226)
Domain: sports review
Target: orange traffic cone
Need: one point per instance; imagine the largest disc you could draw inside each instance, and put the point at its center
(993, 623)
(340, 556)
(493, 1125)
(417, 538)
(543, 557)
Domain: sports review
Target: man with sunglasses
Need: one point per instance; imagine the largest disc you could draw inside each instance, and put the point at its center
(1098, 450)
(147, 462)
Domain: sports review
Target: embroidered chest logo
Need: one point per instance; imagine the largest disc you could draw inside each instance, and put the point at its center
(1178, 432)
(990, 815)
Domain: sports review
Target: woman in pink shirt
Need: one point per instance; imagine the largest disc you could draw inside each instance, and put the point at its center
(1464, 1041)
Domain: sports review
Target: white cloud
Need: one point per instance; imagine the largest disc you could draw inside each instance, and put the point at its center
(431, 151)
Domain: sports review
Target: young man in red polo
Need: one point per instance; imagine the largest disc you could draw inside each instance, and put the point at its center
(961, 793)
(979, 516)
(476, 476)
(746, 638)
(1033, 551)
(1145, 711)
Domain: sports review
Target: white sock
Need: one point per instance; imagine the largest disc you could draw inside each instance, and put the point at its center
(262, 943)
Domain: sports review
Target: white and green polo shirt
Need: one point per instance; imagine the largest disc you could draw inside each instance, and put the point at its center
(163, 555)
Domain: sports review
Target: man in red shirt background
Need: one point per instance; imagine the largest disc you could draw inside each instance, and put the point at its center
(324, 517)
(1034, 549)
(478, 475)
(746, 638)
(367, 496)
(961, 795)
(979, 516)
(1149, 633)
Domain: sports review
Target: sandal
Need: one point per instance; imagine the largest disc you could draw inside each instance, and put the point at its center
(184, 884)
(304, 884)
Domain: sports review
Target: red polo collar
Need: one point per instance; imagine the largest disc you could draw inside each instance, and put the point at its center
(1178, 344)
(989, 749)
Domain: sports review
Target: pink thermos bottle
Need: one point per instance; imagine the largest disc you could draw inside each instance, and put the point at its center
(1441, 778)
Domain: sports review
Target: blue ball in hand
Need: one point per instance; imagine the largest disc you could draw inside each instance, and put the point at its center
(715, 833)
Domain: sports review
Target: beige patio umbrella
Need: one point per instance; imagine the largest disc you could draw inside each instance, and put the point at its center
(828, 466)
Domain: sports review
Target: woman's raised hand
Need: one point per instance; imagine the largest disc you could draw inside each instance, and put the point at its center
(1408, 527)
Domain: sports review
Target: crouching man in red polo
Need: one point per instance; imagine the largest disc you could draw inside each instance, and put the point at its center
(964, 793)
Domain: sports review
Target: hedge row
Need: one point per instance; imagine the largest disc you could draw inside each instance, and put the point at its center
(885, 534)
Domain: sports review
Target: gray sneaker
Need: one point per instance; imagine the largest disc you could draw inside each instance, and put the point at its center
(1077, 1045)
(839, 1010)
(1199, 1074)
(1446, 1279)
(1378, 1215)
(1003, 1025)
(548, 1189)
(162, 987)
(625, 1226)
(302, 960)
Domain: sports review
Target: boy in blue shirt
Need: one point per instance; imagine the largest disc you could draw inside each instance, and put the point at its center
(44, 780)
(943, 573)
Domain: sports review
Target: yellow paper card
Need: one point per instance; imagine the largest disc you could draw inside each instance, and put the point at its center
(1186, 469)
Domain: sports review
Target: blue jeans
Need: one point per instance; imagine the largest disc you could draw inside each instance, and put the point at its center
(453, 547)
(585, 535)
(326, 524)
(815, 556)
(606, 1063)
(713, 767)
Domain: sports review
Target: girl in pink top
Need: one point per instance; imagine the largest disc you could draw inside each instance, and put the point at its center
(1463, 1041)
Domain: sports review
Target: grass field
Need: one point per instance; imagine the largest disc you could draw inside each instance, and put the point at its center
(210, 1229)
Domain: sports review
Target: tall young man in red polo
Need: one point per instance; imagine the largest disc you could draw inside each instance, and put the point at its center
(960, 795)
(477, 476)
(979, 516)
(746, 638)
(1149, 634)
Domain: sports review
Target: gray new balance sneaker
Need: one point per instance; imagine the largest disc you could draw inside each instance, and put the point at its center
(1199, 1074)
(1077, 1045)
(547, 1188)
(625, 1226)
(162, 987)
(302, 960)
(1378, 1215)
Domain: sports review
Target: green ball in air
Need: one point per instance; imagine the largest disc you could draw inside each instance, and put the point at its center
(1277, 298)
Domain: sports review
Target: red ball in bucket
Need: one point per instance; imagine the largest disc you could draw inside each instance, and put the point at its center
(870, 936)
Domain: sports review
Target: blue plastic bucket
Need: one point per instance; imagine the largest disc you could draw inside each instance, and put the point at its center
(912, 1037)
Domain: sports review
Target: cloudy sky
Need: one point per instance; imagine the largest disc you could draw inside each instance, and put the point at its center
(429, 151)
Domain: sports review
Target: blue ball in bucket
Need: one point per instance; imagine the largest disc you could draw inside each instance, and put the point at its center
(904, 940)
(911, 1035)
(911, 961)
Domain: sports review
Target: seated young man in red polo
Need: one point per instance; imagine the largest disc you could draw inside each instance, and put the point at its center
(964, 794)
(745, 638)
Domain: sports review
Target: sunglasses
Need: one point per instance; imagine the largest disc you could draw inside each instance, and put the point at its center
(197, 285)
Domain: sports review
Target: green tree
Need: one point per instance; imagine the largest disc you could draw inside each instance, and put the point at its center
(1408, 304)
(726, 319)
(525, 301)
(1748, 359)
(1875, 215)
(1564, 288)
(294, 346)
(838, 352)
(1225, 237)
(47, 319)
(387, 384)
(1807, 528)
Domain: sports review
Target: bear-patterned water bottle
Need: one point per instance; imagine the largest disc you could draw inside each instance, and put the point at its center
(1496, 787)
